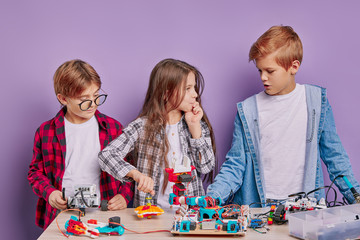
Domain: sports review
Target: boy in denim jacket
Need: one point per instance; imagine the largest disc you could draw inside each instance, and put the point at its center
(281, 134)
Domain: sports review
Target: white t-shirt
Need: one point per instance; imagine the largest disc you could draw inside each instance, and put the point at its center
(174, 154)
(282, 126)
(81, 160)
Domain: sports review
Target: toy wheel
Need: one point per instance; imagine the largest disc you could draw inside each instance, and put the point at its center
(104, 205)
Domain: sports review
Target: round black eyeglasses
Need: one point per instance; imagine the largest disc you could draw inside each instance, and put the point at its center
(99, 100)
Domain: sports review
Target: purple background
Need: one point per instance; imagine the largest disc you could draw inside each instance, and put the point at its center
(124, 40)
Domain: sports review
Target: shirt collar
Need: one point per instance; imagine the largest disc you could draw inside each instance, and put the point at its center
(101, 118)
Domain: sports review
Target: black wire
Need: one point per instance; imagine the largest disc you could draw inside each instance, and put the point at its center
(326, 197)
(335, 204)
(262, 215)
(82, 197)
(73, 199)
(329, 203)
(302, 194)
(317, 189)
(230, 198)
(327, 192)
(257, 203)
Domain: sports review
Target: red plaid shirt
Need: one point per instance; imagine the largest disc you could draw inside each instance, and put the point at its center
(48, 164)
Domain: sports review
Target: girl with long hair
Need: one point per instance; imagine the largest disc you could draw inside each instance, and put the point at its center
(170, 127)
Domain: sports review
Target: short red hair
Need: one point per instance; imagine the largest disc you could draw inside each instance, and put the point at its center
(280, 39)
(72, 77)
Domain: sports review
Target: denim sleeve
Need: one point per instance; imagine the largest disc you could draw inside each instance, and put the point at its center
(334, 155)
(230, 177)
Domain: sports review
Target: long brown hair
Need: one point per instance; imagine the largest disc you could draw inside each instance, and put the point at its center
(167, 80)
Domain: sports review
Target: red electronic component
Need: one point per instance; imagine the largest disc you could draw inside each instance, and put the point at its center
(179, 189)
(92, 221)
(176, 177)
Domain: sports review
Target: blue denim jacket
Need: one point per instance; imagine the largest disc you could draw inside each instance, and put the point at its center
(240, 172)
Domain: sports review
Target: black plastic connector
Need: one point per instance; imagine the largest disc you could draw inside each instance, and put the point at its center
(113, 220)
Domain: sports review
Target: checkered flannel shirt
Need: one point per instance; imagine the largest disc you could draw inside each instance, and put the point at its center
(48, 164)
(111, 158)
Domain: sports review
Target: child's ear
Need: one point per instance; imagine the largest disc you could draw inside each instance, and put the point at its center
(294, 67)
(61, 99)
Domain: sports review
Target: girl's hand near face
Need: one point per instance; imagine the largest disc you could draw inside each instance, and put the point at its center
(193, 118)
(195, 115)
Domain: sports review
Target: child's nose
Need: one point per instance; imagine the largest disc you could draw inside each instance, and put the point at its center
(92, 104)
(263, 77)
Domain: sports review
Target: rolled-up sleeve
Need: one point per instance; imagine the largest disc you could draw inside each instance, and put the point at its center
(202, 150)
(111, 158)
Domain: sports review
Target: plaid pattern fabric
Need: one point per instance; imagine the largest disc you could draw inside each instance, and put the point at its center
(199, 151)
(48, 164)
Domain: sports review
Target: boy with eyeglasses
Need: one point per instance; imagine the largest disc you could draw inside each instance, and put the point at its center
(66, 147)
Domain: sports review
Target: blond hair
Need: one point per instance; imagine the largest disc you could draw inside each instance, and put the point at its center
(72, 77)
(280, 39)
